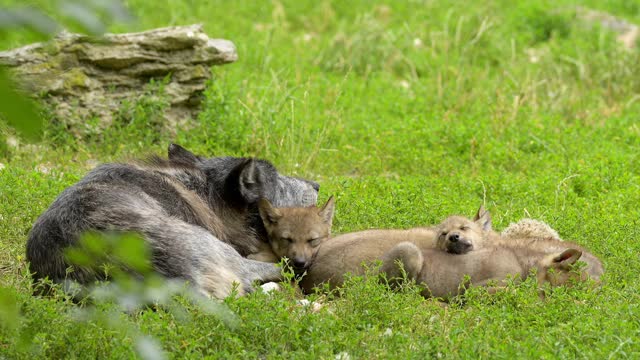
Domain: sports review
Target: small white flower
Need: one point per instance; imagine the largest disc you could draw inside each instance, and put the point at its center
(43, 168)
(270, 286)
(12, 141)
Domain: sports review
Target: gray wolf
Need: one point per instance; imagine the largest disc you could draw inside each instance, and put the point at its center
(445, 275)
(198, 215)
(346, 253)
(296, 232)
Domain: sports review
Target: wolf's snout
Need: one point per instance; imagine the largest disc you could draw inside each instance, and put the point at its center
(454, 237)
(299, 263)
(315, 185)
(460, 246)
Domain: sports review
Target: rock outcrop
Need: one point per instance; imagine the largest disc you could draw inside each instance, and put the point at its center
(82, 77)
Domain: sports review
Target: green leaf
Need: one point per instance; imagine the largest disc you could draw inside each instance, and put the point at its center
(17, 110)
(79, 257)
(95, 243)
(9, 309)
(132, 250)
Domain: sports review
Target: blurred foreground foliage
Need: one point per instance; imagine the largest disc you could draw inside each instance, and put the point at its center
(44, 19)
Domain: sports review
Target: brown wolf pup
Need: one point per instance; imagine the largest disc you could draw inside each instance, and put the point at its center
(346, 253)
(551, 245)
(295, 233)
(538, 235)
(444, 274)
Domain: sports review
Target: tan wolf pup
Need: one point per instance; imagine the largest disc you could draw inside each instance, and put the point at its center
(295, 233)
(346, 253)
(443, 275)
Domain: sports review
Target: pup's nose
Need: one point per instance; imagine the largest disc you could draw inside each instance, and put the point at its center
(461, 246)
(454, 237)
(299, 263)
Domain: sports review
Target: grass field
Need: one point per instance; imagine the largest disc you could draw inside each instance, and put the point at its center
(408, 112)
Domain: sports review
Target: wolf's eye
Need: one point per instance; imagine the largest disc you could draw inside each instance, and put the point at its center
(289, 240)
(315, 242)
(443, 234)
(464, 228)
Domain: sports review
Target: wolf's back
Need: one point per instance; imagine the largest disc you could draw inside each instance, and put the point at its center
(112, 197)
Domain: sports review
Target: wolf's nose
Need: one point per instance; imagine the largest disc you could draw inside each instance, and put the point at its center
(315, 185)
(454, 237)
(299, 263)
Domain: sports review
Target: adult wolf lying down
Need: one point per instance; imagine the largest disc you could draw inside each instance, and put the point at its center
(198, 215)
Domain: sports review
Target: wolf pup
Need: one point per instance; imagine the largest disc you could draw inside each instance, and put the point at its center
(549, 245)
(538, 235)
(296, 233)
(198, 215)
(458, 235)
(346, 253)
(526, 228)
(443, 274)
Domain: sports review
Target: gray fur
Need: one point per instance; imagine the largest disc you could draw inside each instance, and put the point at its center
(198, 215)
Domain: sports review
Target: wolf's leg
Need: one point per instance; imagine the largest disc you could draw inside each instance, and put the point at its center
(408, 255)
(220, 278)
(265, 254)
(189, 252)
(261, 271)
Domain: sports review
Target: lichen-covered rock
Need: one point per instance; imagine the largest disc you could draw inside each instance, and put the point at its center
(81, 77)
(627, 33)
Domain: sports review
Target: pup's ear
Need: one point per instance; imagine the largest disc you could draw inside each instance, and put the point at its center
(250, 181)
(567, 257)
(483, 218)
(326, 213)
(268, 213)
(179, 154)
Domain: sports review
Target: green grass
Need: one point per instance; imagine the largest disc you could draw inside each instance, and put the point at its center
(407, 112)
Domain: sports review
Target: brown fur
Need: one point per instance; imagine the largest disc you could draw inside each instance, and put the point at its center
(530, 228)
(443, 275)
(347, 252)
(295, 233)
(553, 245)
(226, 223)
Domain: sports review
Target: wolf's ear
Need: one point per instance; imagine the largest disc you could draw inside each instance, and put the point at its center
(567, 257)
(326, 213)
(483, 218)
(268, 213)
(250, 181)
(179, 154)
